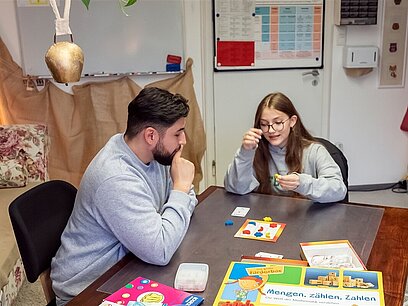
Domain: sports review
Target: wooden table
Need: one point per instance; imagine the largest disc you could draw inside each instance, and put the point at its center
(384, 250)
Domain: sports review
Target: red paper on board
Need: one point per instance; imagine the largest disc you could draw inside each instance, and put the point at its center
(235, 53)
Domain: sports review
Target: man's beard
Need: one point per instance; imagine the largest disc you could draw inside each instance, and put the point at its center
(162, 156)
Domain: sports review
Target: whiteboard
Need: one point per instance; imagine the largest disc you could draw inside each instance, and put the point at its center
(112, 42)
(268, 34)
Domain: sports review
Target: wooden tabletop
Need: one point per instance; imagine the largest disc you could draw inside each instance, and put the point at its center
(387, 251)
(390, 254)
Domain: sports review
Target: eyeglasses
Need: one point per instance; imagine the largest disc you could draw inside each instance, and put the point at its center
(276, 126)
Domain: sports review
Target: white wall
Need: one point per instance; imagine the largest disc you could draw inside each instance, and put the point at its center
(364, 118)
(361, 117)
(9, 29)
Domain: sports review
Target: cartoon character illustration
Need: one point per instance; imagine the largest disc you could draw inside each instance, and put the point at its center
(151, 297)
(249, 283)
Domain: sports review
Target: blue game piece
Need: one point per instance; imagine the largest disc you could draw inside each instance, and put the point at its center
(229, 222)
(173, 67)
(258, 234)
(252, 222)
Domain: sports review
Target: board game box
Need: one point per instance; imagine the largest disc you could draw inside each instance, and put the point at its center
(331, 254)
(252, 284)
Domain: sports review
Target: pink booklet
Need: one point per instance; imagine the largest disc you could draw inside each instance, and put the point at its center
(146, 292)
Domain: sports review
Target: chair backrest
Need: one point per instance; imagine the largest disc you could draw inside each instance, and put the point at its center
(39, 217)
(340, 160)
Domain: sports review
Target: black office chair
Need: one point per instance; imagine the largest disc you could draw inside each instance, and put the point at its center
(39, 217)
(339, 158)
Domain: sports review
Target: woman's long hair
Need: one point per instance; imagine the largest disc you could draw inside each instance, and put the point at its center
(299, 138)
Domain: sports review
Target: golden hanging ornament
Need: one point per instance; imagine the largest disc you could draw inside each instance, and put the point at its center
(65, 61)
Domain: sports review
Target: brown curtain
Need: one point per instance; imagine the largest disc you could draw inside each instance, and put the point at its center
(196, 140)
(80, 124)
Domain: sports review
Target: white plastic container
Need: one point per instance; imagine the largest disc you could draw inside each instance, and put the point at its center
(191, 277)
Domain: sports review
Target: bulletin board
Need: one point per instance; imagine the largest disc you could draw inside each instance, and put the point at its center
(268, 34)
(135, 40)
(394, 44)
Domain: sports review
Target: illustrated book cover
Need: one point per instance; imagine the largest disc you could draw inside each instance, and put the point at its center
(331, 254)
(260, 230)
(146, 292)
(252, 284)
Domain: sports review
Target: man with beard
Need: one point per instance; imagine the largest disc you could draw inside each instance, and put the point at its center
(135, 196)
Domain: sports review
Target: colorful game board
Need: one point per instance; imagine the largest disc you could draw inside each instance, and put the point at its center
(260, 230)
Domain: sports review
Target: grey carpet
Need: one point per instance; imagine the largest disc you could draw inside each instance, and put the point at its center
(30, 294)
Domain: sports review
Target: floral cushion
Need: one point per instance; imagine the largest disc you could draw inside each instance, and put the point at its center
(16, 277)
(12, 174)
(23, 154)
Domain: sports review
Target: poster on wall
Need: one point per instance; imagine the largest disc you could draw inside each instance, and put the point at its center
(268, 34)
(394, 44)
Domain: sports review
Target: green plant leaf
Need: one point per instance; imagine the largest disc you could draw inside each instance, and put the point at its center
(86, 3)
(129, 3)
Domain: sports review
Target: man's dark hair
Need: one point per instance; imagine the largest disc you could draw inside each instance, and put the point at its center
(155, 107)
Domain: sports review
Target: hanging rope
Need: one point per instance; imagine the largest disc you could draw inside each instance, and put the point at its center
(64, 59)
(61, 24)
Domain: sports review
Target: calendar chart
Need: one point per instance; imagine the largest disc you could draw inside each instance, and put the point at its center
(268, 34)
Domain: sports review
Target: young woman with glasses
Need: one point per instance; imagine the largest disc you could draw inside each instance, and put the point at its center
(279, 156)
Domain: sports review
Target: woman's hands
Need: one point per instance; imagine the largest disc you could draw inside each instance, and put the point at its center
(288, 182)
(251, 139)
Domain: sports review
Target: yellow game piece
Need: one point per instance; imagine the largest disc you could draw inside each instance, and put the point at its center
(276, 177)
(267, 219)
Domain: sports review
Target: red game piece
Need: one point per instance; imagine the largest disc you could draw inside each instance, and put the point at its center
(173, 59)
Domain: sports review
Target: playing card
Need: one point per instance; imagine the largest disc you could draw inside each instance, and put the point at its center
(240, 211)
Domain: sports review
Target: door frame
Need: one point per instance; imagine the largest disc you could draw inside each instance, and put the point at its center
(204, 73)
